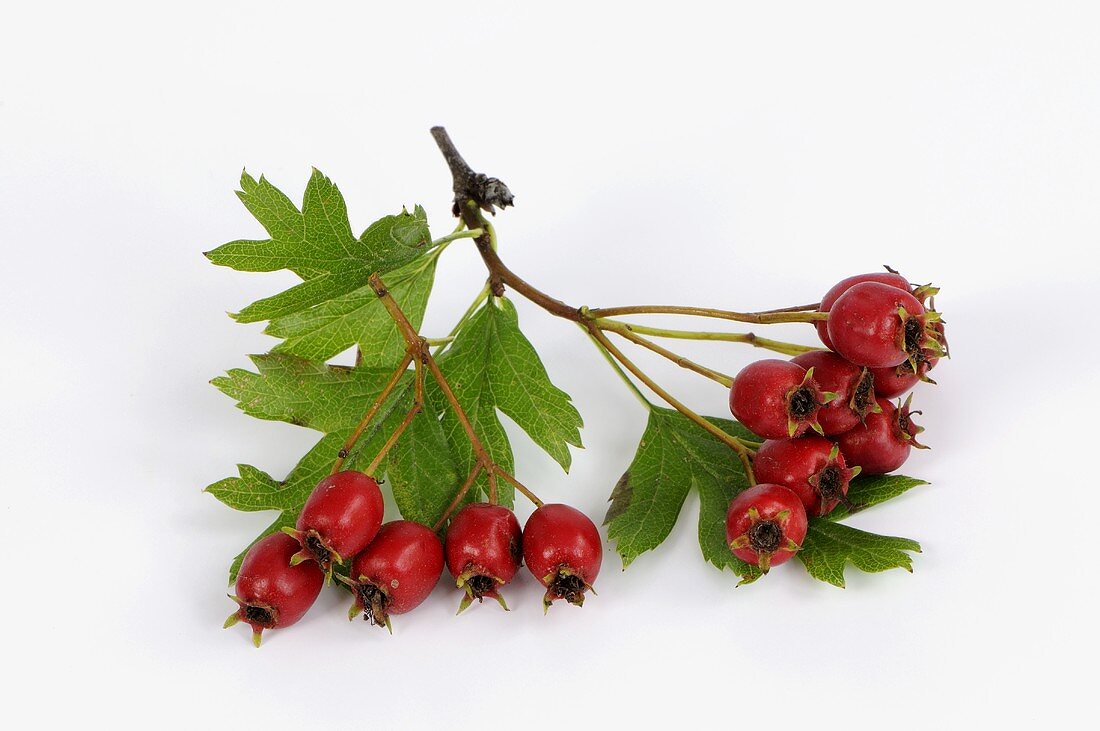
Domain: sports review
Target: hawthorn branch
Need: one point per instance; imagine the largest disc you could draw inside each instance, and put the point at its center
(423, 354)
(488, 193)
(417, 407)
(470, 200)
(743, 452)
(752, 339)
(345, 450)
(679, 360)
(761, 318)
(458, 496)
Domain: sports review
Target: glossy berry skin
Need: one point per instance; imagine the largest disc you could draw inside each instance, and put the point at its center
(853, 386)
(563, 550)
(867, 327)
(883, 443)
(892, 279)
(766, 525)
(776, 399)
(269, 591)
(340, 518)
(811, 467)
(484, 549)
(396, 572)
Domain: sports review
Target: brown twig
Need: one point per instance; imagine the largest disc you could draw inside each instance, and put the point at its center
(417, 407)
(469, 209)
(518, 485)
(761, 318)
(729, 440)
(345, 450)
(676, 358)
(458, 497)
(749, 338)
(417, 344)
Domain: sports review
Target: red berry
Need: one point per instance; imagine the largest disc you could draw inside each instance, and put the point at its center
(876, 325)
(396, 572)
(811, 467)
(776, 399)
(893, 382)
(766, 525)
(892, 279)
(272, 593)
(853, 386)
(562, 549)
(341, 516)
(882, 444)
(484, 549)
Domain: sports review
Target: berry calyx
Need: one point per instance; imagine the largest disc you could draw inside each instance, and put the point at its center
(877, 326)
(854, 388)
(341, 516)
(765, 525)
(889, 277)
(777, 398)
(395, 573)
(270, 592)
(484, 549)
(811, 467)
(562, 549)
(883, 443)
(896, 381)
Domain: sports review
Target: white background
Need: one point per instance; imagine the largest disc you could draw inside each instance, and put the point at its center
(726, 155)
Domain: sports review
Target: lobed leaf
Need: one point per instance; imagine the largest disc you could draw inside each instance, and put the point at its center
(865, 491)
(674, 456)
(830, 546)
(358, 318)
(298, 391)
(317, 244)
(492, 367)
(256, 490)
(422, 472)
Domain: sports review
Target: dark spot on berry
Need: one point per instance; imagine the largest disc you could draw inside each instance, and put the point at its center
(905, 423)
(863, 395)
(516, 552)
(803, 403)
(914, 335)
(481, 585)
(765, 536)
(254, 614)
(569, 587)
(828, 484)
(320, 551)
(374, 601)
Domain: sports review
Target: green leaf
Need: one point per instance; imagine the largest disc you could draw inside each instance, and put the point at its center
(358, 318)
(291, 389)
(522, 389)
(830, 546)
(491, 366)
(256, 490)
(865, 491)
(251, 490)
(422, 472)
(317, 244)
(331, 399)
(674, 456)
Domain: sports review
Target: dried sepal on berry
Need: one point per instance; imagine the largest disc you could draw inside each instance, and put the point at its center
(477, 584)
(765, 525)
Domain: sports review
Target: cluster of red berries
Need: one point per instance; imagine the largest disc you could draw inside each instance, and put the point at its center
(883, 336)
(395, 566)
